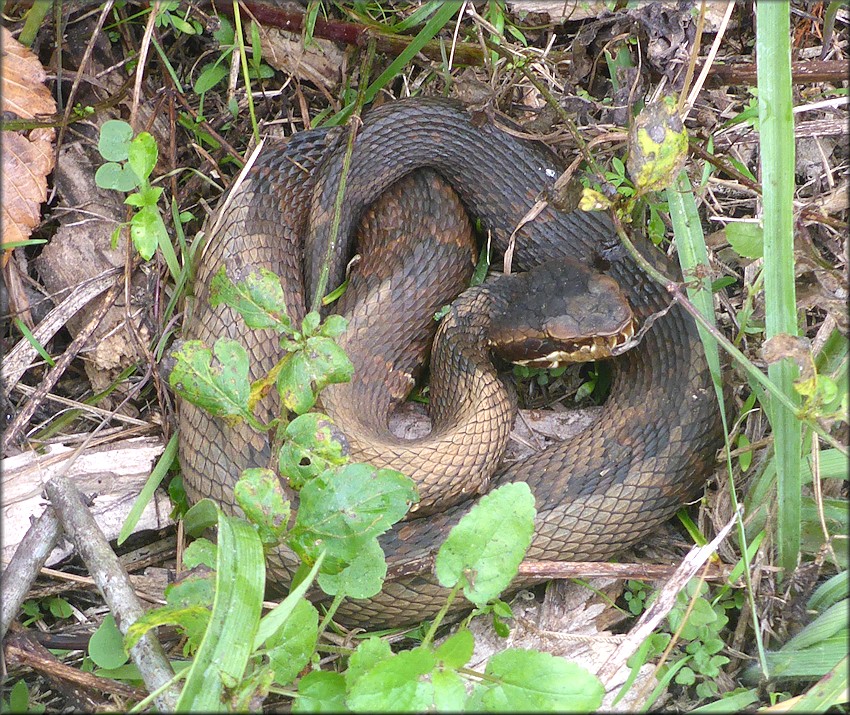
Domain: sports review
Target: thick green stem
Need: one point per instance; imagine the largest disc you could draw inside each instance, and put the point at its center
(776, 129)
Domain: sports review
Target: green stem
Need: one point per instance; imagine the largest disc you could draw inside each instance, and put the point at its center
(739, 357)
(237, 19)
(776, 134)
(690, 242)
(335, 604)
(322, 283)
(429, 636)
(34, 21)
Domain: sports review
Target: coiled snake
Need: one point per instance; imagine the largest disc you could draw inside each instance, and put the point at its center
(649, 451)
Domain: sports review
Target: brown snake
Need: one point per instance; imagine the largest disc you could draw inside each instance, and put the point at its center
(650, 450)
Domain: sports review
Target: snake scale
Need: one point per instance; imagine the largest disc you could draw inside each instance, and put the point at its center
(654, 443)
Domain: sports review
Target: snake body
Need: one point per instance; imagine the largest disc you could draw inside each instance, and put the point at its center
(654, 443)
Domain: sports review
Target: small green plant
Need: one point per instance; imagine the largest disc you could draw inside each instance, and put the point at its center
(635, 596)
(57, 607)
(130, 160)
(214, 72)
(19, 700)
(696, 660)
(168, 16)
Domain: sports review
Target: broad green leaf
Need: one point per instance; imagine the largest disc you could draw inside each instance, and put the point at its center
(311, 446)
(334, 326)
(259, 494)
(106, 646)
(456, 651)
(200, 551)
(487, 545)
(226, 647)
(142, 154)
(116, 177)
(220, 388)
(399, 684)
(342, 509)
(369, 653)
(114, 141)
(320, 692)
(449, 691)
(746, 238)
(193, 589)
(320, 363)
(258, 298)
(147, 231)
(292, 645)
(199, 518)
(362, 577)
(527, 680)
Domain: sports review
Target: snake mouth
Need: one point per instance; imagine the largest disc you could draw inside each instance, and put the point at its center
(597, 347)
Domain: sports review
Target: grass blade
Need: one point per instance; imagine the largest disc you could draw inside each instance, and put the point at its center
(776, 127)
(226, 647)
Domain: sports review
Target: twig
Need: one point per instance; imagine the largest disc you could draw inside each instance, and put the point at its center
(350, 33)
(20, 357)
(50, 380)
(20, 648)
(113, 583)
(23, 569)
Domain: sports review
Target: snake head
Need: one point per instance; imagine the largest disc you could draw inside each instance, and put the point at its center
(561, 312)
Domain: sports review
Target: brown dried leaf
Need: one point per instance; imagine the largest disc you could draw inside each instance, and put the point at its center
(27, 156)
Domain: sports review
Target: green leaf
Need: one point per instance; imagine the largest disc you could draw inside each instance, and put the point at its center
(401, 683)
(200, 551)
(456, 651)
(220, 388)
(147, 231)
(528, 680)
(259, 494)
(449, 691)
(342, 509)
(362, 577)
(320, 363)
(292, 645)
(320, 692)
(311, 446)
(277, 617)
(106, 646)
(192, 621)
(116, 177)
(59, 607)
(369, 653)
(201, 516)
(193, 589)
(114, 141)
(258, 298)
(142, 155)
(224, 652)
(224, 34)
(210, 76)
(746, 238)
(333, 327)
(487, 545)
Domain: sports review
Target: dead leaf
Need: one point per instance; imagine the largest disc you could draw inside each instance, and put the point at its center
(27, 156)
(319, 62)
